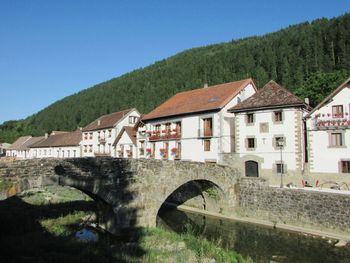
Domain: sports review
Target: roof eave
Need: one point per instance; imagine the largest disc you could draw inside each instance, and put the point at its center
(303, 105)
(182, 114)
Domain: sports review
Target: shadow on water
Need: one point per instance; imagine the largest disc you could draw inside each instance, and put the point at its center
(24, 239)
(261, 244)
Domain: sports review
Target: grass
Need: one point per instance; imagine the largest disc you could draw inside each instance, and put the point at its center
(40, 227)
(5, 185)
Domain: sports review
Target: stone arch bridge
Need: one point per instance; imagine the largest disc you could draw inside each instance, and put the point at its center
(129, 192)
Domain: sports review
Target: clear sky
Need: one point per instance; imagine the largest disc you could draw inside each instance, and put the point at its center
(52, 49)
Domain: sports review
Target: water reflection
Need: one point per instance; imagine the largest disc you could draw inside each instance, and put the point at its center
(261, 244)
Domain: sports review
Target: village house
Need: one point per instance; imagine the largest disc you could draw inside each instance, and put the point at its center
(58, 145)
(328, 127)
(99, 136)
(20, 148)
(3, 148)
(125, 145)
(194, 125)
(268, 124)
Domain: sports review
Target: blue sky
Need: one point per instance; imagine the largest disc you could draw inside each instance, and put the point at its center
(52, 49)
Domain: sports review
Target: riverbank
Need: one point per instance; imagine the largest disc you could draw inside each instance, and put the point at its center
(41, 227)
(343, 239)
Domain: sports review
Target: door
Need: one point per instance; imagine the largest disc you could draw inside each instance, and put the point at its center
(251, 169)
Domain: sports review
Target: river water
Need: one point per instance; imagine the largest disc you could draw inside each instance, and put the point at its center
(261, 244)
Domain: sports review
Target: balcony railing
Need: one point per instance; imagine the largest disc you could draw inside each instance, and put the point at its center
(164, 135)
(329, 121)
(205, 133)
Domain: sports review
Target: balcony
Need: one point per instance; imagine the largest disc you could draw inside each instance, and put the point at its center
(331, 121)
(205, 133)
(102, 140)
(97, 154)
(164, 135)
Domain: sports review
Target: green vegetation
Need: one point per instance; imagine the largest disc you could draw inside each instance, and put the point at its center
(5, 185)
(310, 59)
(40, 227)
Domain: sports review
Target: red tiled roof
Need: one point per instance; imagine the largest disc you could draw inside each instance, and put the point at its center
(106, 121)
(60, 139)
(33, 140)
(130, 131)
(272, 95)
(198, 100)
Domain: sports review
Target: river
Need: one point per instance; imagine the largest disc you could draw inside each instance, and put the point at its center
(261, 244)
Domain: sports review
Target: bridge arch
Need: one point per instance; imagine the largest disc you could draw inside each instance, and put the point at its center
(131, 190)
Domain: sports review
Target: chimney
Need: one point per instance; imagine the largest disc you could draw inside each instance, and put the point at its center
(205, 85)
(307, 101)
(98, 122)
(46, 135)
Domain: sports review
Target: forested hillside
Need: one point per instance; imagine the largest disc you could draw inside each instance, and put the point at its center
(309, 59)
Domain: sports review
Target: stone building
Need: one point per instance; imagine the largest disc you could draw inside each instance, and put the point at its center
(267, 124)
(194, 125)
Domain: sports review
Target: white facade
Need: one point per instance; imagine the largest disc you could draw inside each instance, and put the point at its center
(329, 135)
(258, 133)
(55, 152)
(100, 141)
(192, 137)
(125, 148)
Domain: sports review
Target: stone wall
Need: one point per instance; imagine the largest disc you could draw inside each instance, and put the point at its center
(308, 208)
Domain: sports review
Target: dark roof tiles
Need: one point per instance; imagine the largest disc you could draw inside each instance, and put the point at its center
(106, 121)
(272, 95)
(60, 139)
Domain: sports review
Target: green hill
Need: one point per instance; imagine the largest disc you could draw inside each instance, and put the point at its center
(310, 59)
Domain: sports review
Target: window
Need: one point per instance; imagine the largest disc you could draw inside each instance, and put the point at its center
(85, 136)
(90, 148)
(277, 116)
(167, 128)
(178, 129)
(178, 152)
(280, 168)
(90, 135)
(157, 128)
(166, 150)
(109, 133)
(142, 148)
(74, 153)
(251, 143)
(345, 167)
(337, 111)
(208, 127)
(132, 119)
(250, 118)
(279, 141)
(207, 145)
(336, 139)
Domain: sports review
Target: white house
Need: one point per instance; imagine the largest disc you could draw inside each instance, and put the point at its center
(270, 117)
(328, 126)
(125, 145)
(98, 137)
(3, 148)
(20, 148)
(58, 145)
(194, 125)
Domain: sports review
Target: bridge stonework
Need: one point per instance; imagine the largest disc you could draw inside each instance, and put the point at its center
(129, 192)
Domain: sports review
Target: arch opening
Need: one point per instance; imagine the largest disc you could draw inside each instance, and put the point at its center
(194, 195)
(251, 168)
